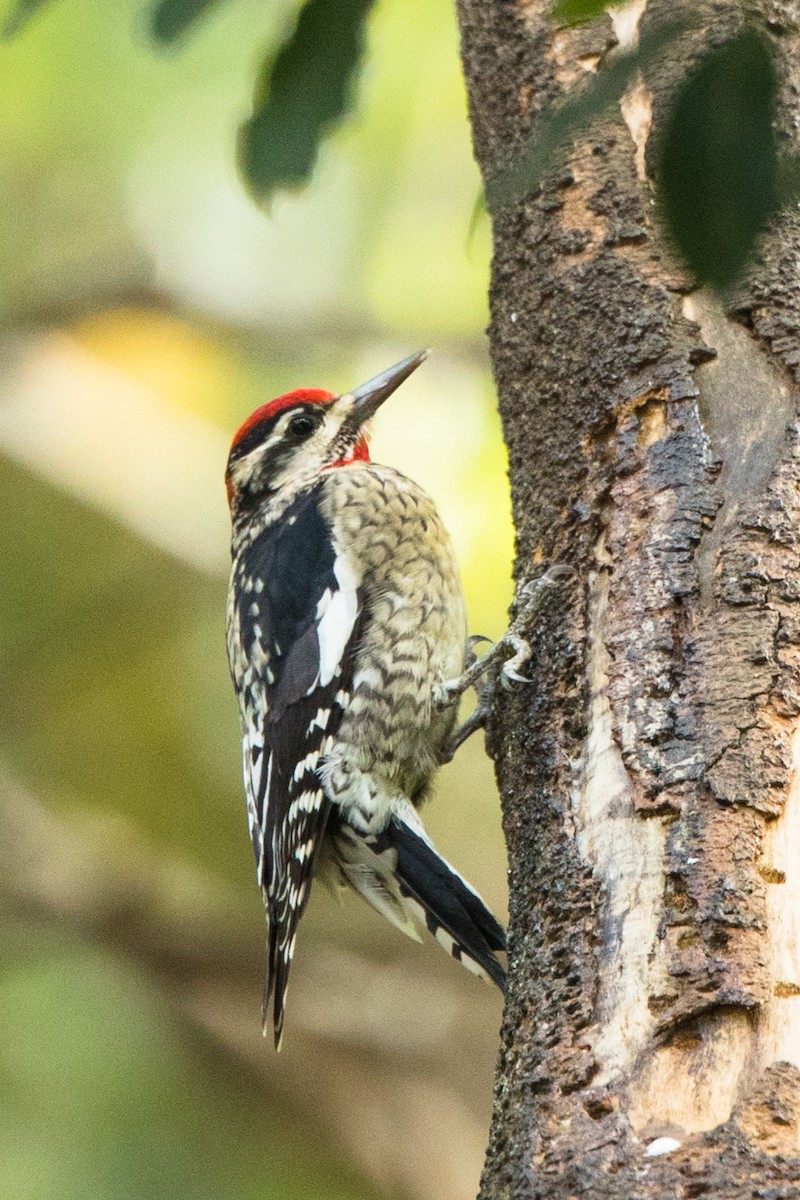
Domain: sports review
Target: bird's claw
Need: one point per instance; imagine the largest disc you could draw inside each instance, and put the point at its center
(549, 578)
(530, 594)
(509, 672)
(508, 676)
(472, 676)
(472, 642)
(482, 674)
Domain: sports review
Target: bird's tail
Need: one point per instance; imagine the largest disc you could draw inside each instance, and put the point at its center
(400, 873)
(280, 948)
(284, 909)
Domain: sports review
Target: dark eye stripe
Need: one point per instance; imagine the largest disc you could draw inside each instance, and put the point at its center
(259, 433)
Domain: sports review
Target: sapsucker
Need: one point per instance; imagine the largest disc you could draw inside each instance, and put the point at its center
(346, 621)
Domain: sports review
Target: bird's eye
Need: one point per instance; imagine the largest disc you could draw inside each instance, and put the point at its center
(302, 426)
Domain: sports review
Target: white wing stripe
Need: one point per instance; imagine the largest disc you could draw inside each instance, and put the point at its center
(336, 615)
(266, 795)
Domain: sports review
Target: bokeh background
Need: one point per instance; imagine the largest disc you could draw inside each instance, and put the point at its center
(146, 306)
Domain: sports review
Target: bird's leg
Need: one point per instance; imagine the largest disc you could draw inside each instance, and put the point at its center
(484, 687)
(484, 673)
(531, 595)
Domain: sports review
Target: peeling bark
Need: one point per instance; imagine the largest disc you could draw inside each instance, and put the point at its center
(650, 782)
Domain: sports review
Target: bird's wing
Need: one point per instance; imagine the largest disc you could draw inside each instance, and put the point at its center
(299, 616)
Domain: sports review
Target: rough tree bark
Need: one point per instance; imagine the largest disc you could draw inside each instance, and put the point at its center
(650, 778)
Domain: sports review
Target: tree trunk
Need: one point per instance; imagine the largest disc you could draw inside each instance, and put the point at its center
(651, 1039)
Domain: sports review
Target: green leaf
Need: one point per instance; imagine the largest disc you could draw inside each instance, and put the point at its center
(718, 163)
(559, 127)
(302, 93)
(172, 18)
(19, 16)
(575, 12)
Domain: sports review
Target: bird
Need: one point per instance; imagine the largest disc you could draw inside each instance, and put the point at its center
(347, 644)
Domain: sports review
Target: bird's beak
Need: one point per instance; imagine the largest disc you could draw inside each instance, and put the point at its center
(368, 398)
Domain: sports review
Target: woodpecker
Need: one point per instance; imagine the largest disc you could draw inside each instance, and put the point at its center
(347, 638)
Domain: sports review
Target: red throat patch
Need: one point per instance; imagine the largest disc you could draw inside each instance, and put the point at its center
(359, 453)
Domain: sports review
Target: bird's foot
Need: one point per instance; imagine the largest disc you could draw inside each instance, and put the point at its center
(483, 673)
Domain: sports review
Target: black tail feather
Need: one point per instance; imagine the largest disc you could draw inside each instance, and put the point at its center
(280, 947)
(448, 902)
(276, 982)
(284, 911)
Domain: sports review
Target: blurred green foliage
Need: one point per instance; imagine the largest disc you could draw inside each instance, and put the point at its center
(106, 1096)
(172, 18)
(719, 179)
(19, 15)
(146, 307)
(304, 90)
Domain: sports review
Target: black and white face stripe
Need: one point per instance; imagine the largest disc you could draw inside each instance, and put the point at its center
(258, 463)
(293, 426)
